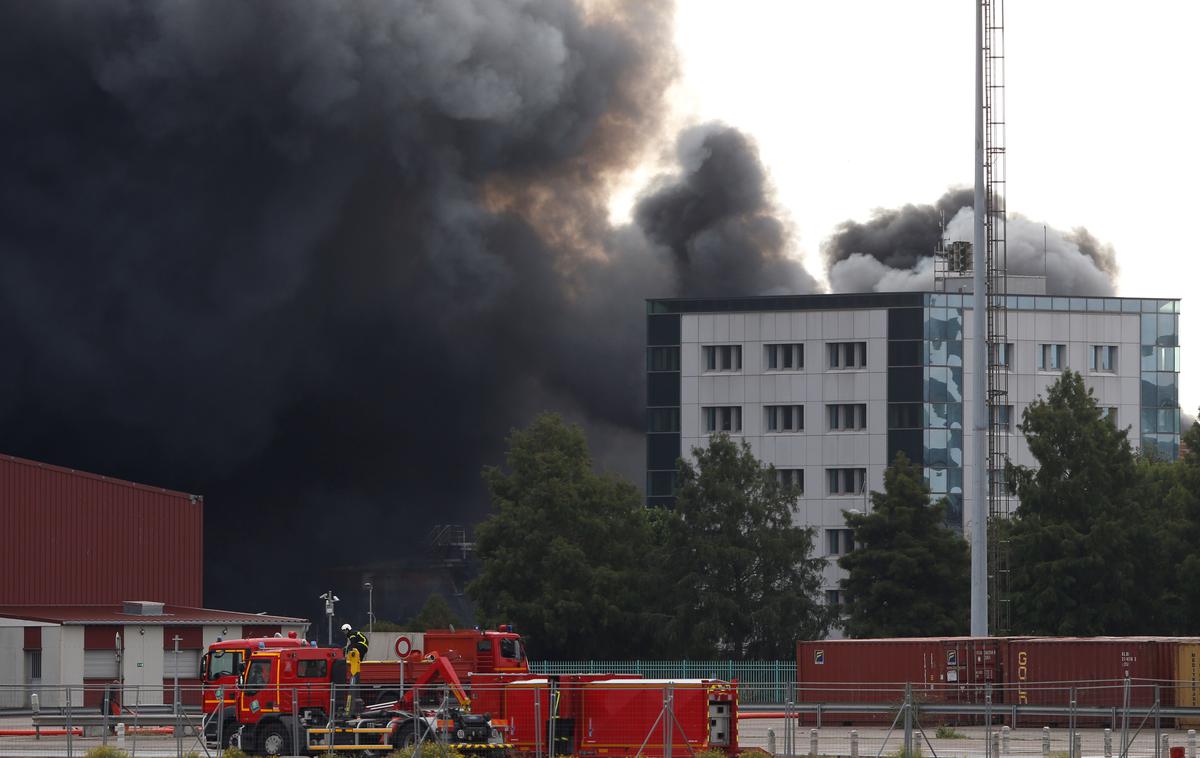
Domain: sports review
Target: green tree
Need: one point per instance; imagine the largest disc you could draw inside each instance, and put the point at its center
(742, 574)
(435, 614)
(565, 551)
(1082, 537)
(908, 575)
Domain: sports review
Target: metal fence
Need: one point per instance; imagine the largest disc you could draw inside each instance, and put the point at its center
(670, 716)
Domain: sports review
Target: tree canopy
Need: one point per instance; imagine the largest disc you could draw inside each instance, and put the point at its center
(1083, 540)
(908, 575)
(565, 552)
(435, 614)
(741, 572)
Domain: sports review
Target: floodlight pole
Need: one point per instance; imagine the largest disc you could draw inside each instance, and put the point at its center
(979, 502)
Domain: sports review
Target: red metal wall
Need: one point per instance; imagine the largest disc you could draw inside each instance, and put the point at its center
(72, 537)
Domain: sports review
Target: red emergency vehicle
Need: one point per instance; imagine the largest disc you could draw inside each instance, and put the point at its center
(220, 667)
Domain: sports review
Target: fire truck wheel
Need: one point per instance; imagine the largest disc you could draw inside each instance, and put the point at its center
(274, 740)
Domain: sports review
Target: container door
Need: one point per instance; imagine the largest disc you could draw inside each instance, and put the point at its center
(954, 659)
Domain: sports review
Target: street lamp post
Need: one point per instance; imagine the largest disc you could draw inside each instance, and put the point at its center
(370, 588)
(329, 599)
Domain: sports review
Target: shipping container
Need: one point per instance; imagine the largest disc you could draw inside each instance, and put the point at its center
(940, 670)
(1187, 674)
(79, 538)
(1047, 670)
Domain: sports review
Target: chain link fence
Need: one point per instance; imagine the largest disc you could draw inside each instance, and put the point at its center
(662, 717)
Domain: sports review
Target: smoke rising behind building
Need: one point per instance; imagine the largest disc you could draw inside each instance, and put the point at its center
(894, 250)
(314, 260)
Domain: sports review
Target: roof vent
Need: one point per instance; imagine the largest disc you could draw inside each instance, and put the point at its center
(142, 608)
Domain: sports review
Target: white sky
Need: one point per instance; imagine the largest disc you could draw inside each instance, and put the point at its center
(867, 104)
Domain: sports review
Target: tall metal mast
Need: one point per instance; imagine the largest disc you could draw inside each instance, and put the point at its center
(999, 360)
(979, 424)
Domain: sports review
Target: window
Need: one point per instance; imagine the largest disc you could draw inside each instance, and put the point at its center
(185, 663)
(722, 418)
(785, 418)
(721, 357)
(1103, 358)
(1052, 357)
(846, 481)
(314, 669)
(662, 359)
(785, 357)
(33, 665)
(224, 663)
(998, 483)
(905, 415)
(662, 419)
(1002, 417)
(839, 541)
(792, 478)
(1002, 355)
(847, 355)
(847, 417)
(257, 675)
(833, 597)
(1109, 414)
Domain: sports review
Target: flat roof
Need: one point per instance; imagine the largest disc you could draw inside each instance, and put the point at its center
(863, 300)
(113, 613)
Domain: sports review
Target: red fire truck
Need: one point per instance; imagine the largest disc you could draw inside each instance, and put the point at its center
(219, 669)
(497, 703)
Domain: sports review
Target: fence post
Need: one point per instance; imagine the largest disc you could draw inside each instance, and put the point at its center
(70, 734)
(1191, 744)
(771, 741)
(1165, 745)
(989, 736)
(537, 721)
(1071, 726)
(1107, 743)
(908, 732)
(220, 721)
(1077, 744)
(1045, 741)
(853, 743)
(994, 744)
(296, 724)
(1158, 735)
(813, 743)
(668, 721)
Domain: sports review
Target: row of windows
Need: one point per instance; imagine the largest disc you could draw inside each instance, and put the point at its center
(840, 481)
(782, 356)
(842, 417)
(853, 355)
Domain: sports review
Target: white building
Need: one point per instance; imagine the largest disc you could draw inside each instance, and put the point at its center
(829, 387)
(49, 649)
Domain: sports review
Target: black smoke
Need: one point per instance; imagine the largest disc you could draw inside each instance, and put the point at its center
(313, 260)
(894, 249)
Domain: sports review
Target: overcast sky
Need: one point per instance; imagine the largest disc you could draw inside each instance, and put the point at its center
(869, 104)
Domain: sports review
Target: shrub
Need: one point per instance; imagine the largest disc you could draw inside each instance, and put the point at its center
(429, 749)
(104, 751)
(949, 733)
(233, 752)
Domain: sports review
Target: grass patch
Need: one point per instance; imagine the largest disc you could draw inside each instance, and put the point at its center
(104, 751)
(949, 733)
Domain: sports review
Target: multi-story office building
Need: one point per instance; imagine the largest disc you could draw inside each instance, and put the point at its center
(829, 387)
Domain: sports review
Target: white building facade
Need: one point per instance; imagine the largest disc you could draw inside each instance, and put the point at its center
(828, 388)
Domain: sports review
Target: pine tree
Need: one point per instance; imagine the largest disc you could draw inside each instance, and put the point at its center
(908, 574)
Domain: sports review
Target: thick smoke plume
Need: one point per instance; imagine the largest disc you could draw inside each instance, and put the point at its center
(313, 259)
(894, 250)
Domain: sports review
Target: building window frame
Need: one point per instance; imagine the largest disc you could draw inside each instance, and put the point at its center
(846, 482)
(783, 356)
(1102, 359)
(783, 419)
(715, 419)
(1052, 356)
(846, 356)
(721, 359)
(846, 417)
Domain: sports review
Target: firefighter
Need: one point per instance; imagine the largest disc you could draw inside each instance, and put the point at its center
(356, 650)
(355, 640)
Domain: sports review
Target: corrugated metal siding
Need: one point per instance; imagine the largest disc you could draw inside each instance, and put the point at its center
(74, 537)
